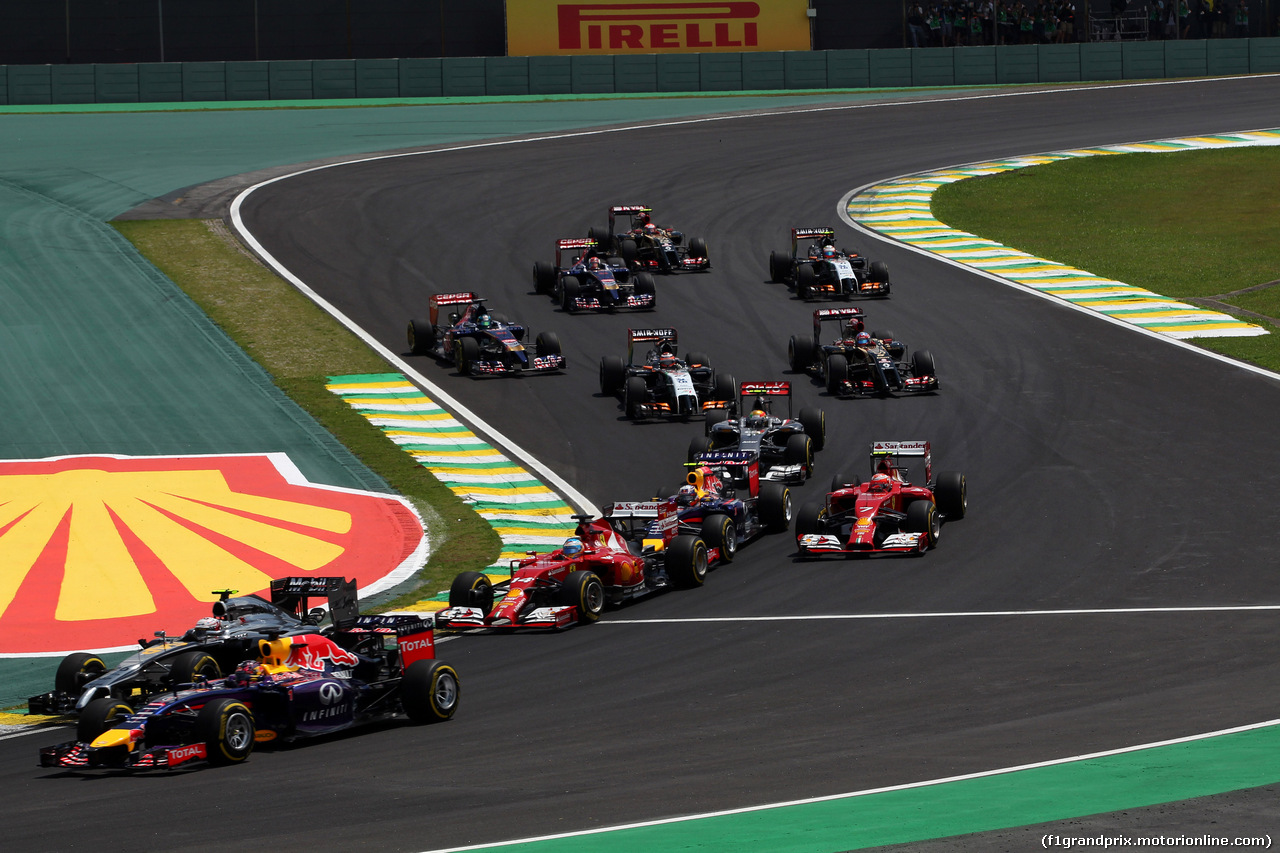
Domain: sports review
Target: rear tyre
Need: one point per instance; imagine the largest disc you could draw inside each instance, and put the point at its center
(698, 444)
(76, 670)
(775, 507)
(422, 337)
(190, 666)
(718, 531)
(583, 590)
(814, 422)
(429, 691)
(812, 519)
(629, 251)
(883, 335)
(604, 240)
(472, 589)
(612, 374)
(544, 277)
(844, 480)
(725, 388)
(952, 494)
(98, 716)
(698, 359)
(922, 517)
(837, 373)
(687, 561)
(800, 353)
(779, 266)
(226, 727)
(715, 416)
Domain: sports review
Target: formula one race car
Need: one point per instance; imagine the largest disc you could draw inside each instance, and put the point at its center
(582, 278)
(477, 342)
(886, 514)
(664, 384)
(856, 362)
(825, 271)
(209, 650)
(784, 443)
(645, 246)
(292, 687)
(725, 500)
(607, 561)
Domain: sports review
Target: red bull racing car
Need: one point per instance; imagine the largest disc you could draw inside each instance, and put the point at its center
(726, 501)
(461, 330)
(823, 271)
(295, 687)
(584, 279)
(885, 515)
(643, 245)
(665, 385)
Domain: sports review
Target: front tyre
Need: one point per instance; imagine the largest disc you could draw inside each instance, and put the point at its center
(718, 531)
(98, 716)
(76, 670)
(429, 691)
(226, 728)
(472, 589)
(687, 561)
(775, 507)
(922, 517)
(584, 591)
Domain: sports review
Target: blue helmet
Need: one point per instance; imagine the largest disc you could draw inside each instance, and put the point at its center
(572, 546)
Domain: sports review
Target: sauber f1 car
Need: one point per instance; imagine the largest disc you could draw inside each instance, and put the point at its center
(725, 500)
(209, 650)
(584, 279)
(294, 687)
(885, 515)
(664, 385)
(856, 362)
(635, 550)
(642, 245)
(462, 331)
(822, 270)
(784, 442)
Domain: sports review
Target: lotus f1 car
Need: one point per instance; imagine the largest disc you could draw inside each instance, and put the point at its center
(886, 515)
(857, 363)
(822, 270)
(294, 687)
(478, 343)
(725, 501)
(784, 443)
(635, 550)
(209, 650)
(642, 245)
(664, 385)
(584, 279)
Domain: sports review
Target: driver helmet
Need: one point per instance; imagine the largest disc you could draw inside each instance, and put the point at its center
(667, 360)
(687, 495)
(863, 339)
(651, 229)
(208, 623)
(572, 546)
(758, 419)
(881, 483)
(828, 251)
(246, 672)
(595, 263)
(484, 321)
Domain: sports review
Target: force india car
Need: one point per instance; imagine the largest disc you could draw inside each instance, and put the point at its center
(209, 650)
(477, 342)
(725, 500)
(295, 687)
(825, 271)
(584, 279)
(784, 443)
(665, 385)
(879, 366)
(886, 514)
(645, 246)
(624, 556)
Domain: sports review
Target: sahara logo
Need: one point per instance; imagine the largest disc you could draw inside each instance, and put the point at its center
(97, 551)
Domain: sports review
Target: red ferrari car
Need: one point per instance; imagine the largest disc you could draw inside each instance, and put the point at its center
(886, 514)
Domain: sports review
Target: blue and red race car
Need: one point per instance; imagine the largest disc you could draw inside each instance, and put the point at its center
(479, 343)
(584, 279)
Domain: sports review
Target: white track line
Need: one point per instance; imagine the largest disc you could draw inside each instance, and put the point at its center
(958, 614)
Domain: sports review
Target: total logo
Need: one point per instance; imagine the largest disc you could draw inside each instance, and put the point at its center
(181, 754)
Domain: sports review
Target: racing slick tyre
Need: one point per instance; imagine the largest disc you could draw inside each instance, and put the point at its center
(226, 728)
(698, 249)
(465, 353)
(724, 388)
(629, 251)
(715, 416)
(471, 589)
(814, 422)
(799, 451)
(837, 373)
(544, 277)
(922, 363)
(613, 372)
(687, 561)
(879, 271)
(636, 395)
(604, 240)
(844, 480)
(422, 337)
(645, 286)
(76, 670)
(98, 716)
(548, 343)
(569, 289)
(775, 507)
(190, 666)
(806, 281)
(429, 691)
(800, 353)
(718, 531)
(952, 494)
(922, 517)
(698, 444)
(779, 266)
(584, 591)
(883, 335)
(698, 359)
(812, 518)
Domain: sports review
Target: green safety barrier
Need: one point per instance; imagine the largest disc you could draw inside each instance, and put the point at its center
(677, 72)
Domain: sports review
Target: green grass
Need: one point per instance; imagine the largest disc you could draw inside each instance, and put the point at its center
(1191, 225)
(301, 346)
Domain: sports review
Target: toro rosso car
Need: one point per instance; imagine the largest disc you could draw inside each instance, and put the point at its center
(294, 687)
(642, 245)
(854, 362)
(664, 385)
(821, 270)
(783, 442)
(635, 550)
(725, 501)
(584, 279)
(209, 650)
(462, 331)
(885, 515)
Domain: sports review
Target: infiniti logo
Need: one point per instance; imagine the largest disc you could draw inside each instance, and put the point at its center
(330, 693)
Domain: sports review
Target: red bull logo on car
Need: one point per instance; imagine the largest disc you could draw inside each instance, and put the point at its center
(319, 654)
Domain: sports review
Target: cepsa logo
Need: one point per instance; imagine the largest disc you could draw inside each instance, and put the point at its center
(607, 27)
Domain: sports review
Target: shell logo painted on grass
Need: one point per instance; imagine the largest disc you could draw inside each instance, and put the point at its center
(99, 551)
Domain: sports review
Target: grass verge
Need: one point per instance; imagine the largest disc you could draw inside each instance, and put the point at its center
(1196, 225)
(300, 346)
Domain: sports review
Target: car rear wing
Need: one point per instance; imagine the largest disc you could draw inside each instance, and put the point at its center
(893, 450)
(644, 336)
(843, 315)
(629, 208)
(294, 594)
(763, 389)
(415, 636)
(798, 234)
(439, 300)
(663, 511)
(576, 246)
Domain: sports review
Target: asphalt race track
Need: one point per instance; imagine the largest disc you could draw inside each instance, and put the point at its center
(1106, 470)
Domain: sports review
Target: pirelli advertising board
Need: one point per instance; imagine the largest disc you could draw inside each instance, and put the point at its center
(558, 28)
